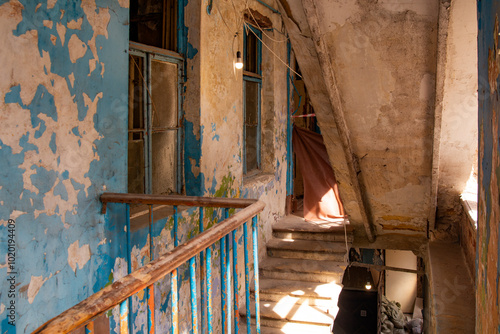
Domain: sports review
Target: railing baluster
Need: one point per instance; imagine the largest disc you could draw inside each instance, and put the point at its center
(236, 312)
(203, 288)
(151, 308)
(173, 284)
(121, 292)
(228, 276)
(208, 260)
(192, 283)
(89, 328)
(150, 290)
(256, 271)
(129, 265)
(223, 275)
(124, 323)
(247, 277)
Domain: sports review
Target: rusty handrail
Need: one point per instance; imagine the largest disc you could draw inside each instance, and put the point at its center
(216, 202)
(147, 275)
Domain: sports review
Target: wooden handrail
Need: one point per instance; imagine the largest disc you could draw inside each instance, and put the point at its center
(147, 275)
(215, 202)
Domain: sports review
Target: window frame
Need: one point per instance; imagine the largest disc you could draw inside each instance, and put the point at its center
(149, 54)
(256, 78)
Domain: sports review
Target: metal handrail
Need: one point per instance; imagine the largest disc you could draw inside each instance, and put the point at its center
(147, 275)
(215, 202)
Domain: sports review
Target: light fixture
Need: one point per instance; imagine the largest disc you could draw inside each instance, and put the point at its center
(239, 61)
(368, 285)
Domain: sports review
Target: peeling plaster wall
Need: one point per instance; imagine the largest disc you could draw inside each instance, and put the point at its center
(63, 128)
(222, 114)
(458, 142)
(384, 55)
(488, 247)
(63, 142)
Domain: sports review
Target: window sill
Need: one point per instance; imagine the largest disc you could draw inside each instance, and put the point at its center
(256, 179)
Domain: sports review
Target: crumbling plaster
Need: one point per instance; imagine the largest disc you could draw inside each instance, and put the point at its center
(63, 141)
(488, 247)
(383, 58)
(222, 111)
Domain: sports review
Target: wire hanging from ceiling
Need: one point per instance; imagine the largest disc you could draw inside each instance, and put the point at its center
(240, 21)
(271, 50)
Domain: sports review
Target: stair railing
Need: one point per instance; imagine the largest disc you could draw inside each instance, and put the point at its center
(119, 292)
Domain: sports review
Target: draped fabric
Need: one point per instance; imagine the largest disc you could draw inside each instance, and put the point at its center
(321, 196)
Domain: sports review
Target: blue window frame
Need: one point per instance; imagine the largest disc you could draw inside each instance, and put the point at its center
(156, 76)
(154, 141)
(252, 84)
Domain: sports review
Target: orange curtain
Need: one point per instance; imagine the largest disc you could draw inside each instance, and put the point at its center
(321, 196)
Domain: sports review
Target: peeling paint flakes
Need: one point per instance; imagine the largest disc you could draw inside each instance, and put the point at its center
(51, 4)
(78, 255)
(71, 78)
(48, 23)
(14, 215)
(75, 24)
(194, 169)
(77, 48)
(53, 39)
(124, 3)
(34, 286)
(99, 20)
(92, 66)
(61, 30)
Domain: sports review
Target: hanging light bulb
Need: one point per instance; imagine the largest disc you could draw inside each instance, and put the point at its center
(239, 61)
(368, 285)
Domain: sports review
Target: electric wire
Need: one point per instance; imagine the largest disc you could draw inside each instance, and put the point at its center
(262, 30)
(247, 26)
(291, 69)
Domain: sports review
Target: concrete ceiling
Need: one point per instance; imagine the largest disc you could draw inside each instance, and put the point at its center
(370, 68)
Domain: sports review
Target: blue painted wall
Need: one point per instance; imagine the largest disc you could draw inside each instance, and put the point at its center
(63, 137)
(488, 247)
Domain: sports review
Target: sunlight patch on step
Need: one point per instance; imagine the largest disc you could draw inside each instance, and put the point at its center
(284, 306)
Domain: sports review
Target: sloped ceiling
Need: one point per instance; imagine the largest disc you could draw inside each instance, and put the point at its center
(370, 68)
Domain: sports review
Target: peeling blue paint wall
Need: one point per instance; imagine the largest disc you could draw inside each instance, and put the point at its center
(63, 137)
(488, 246)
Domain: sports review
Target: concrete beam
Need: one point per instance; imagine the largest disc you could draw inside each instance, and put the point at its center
(444, 17)
(313, 59)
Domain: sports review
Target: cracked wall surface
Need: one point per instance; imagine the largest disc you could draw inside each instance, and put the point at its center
(62, 142)
(488, 248)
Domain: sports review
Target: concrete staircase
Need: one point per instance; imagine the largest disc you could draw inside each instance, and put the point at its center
(300, 279)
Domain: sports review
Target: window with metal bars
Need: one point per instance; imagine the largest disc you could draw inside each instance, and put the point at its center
(252, 84)
(155, 79)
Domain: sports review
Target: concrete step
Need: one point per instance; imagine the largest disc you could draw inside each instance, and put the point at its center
(302, 270)
(306, 249)
(300, 292)
(293, 227)
(288, 314)
(289, 328)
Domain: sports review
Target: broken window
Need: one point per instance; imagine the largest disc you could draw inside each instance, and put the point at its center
(154, 22)
(154, 123)
(154, 134)
(252, 83)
